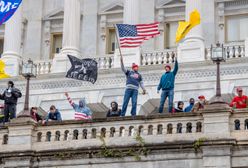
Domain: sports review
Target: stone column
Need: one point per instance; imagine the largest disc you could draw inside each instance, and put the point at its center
(71, 36)
(12, 43)
(131, 16)
(192, 48)
(246, 47)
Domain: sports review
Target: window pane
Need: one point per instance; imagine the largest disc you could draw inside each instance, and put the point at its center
(170, 35)
(243, 28)
(233, 29)
(111, 41)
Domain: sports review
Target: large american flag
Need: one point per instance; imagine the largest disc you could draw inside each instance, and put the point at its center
(134, 35)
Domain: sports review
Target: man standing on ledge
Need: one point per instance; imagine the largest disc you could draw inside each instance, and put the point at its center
(10, 96)
(167, 82)
(134, 80)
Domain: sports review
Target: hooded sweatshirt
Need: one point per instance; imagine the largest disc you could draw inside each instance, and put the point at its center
(114, 112)
(82, 112)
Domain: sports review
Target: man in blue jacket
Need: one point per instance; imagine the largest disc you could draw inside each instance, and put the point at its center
(167, 82)
(134, 80)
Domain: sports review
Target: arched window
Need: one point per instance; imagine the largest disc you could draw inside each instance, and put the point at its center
(237, 125)
(93, 133)
(75, 135)
(5, 139)
(122, 132)
(66, 135)
(150, 130)
(85, 134)
(103, 132)
(112, 132)
(246, 124)
(169, 129)
(189, 128)
(198, 127)
(160, 129)
(39, 136)
(57, 136)
(179, 128)
(48, 136)
(131, 131)
(141, 129)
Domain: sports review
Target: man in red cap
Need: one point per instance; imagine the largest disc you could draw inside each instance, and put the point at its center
(200, 104)
(134, 80)
(240, 101)
(167, 82)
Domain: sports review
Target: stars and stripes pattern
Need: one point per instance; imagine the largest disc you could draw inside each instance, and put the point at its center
(78, 115)
(134, 35)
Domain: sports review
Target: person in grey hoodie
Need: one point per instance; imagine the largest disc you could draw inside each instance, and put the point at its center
(82, 112)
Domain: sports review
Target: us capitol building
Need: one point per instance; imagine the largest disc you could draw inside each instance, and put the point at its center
(46, 31)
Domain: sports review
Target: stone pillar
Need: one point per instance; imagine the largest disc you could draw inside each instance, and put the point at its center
(192, 48)
(131, 16)
(71, 36)
(216, 119)
(12, 43)
(246, 47)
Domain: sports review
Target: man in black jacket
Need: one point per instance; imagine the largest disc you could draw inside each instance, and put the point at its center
(10, 96)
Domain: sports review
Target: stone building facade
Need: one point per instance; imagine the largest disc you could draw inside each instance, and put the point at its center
(47, 30)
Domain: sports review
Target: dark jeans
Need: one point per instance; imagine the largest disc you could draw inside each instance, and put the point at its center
(130, 93)
(164, 95)
(9, 112)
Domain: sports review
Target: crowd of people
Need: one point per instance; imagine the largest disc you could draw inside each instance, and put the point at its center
(133, 82)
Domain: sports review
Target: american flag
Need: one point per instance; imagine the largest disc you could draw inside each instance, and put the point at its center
(134, 35)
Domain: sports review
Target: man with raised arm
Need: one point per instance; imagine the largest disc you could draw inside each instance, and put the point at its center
(82, 112)
(167, 82)
(133, 81)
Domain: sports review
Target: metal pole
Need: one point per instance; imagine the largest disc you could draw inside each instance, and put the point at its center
(26, 104)
(218, 90)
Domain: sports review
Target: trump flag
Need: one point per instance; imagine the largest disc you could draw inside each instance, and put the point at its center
(7, 9)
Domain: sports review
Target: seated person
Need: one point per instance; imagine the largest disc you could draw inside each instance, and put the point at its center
(34, 114)
(82, 112)
(190, 106)
(200, 104)
(179, 108)
(240, 101)
(114, 111)
(53, 115)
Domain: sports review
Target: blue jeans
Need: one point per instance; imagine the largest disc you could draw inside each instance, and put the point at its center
(164, 95)
(130, 93)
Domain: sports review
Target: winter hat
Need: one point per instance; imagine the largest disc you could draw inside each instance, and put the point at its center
(201, 97)
(168, 66)
(239, 89)
(134, 65)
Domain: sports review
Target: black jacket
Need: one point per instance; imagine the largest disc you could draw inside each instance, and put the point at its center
(12, 96)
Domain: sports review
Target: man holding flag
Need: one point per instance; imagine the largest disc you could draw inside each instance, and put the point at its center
(131, 36)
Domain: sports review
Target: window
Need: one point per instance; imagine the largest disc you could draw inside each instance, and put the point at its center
(236, 28)
(111, 41)
(170, 34)
(56, 44)
(1, 47)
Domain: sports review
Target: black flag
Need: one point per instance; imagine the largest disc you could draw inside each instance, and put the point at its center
(82, 69)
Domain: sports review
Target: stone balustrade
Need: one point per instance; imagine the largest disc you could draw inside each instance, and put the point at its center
(105, 62)
(43, 67)
(181, 139)
(158, 57)
(231, 51)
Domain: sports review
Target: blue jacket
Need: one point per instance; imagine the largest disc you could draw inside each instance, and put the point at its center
(54, 116)
(189, 108)
(167, 81)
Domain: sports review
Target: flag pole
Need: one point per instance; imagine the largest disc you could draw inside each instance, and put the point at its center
(118, 42)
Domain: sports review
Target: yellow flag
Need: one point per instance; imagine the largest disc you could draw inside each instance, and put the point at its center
(2, 72)
(185, 27)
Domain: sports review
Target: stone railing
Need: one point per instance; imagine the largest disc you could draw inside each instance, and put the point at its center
(158, 57)
(105, 62)
(121, 131)
(43, 67)
(231, 51)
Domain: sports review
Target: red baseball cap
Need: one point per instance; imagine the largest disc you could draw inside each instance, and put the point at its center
(239, 89)
(168, 66)
(135, 65)
(201, 97)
